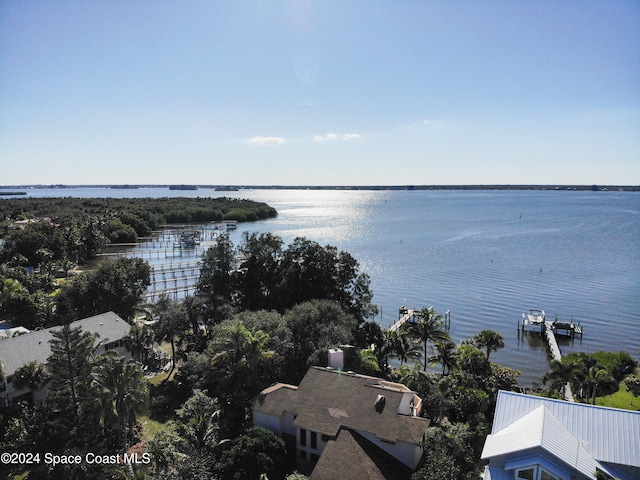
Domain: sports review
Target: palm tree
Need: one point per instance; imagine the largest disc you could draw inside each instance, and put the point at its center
(121, 389)
(172, 319)
(429, 328)
(445, 355)
(490, 340)
(560, 375)
(197, 421)
(593, 378)
(406, 349)
(139, 341)
(33, 375)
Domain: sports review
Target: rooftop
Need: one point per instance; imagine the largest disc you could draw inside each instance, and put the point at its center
(586, 436)
(327, 400)
(17, 351)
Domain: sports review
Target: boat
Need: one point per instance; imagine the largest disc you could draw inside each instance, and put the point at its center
(534, 317)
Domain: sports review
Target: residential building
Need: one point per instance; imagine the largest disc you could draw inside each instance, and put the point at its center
(538, 438)
(17, 351)
(345, 425)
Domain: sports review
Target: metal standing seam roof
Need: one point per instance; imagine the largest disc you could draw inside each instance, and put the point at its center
(541, 428)
(17, 351)
(606, 434)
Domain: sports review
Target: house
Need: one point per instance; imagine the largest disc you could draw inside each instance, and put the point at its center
(20, 350)
(346, 425)
(545, 439)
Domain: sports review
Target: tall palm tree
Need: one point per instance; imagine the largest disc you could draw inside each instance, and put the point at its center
(429, 328)
(121, 389)
(560, 375)
(406, 349)
(490, 340)
(445, 355)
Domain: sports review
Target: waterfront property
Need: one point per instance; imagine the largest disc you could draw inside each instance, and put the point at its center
(538, 438)
(346, 425)
(20, 350)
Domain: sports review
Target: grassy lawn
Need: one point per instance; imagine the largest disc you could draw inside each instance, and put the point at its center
(150, 426)
(621, 399)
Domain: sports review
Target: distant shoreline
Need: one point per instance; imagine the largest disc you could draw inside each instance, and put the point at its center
(594, 188)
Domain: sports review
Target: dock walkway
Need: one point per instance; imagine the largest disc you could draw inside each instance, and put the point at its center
(548, 331)
(410, 313)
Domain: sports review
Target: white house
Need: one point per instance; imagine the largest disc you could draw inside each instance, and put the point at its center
(20, 350)
(537, 438)
(345, 425)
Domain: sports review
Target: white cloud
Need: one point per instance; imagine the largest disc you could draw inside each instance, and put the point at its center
(335, 136)
(268, 140)
(351, 136)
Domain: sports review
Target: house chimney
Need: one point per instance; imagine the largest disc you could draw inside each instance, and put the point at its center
(336, 358)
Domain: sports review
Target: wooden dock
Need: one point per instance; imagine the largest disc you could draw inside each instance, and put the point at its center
(407, 314)
(548, 330)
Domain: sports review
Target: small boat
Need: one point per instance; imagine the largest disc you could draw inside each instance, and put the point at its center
(535, 317)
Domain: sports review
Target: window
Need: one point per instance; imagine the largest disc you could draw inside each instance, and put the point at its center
(527, 473)
(314, 440)
(303, 437)
(544, 475)
(534, 472)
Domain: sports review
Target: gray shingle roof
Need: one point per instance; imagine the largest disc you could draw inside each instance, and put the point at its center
(17, 351)
(327, 400)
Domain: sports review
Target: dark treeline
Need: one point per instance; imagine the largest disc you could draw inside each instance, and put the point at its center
(143, 214)
(77, 228)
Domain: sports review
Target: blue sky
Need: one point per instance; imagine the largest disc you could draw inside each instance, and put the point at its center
(320, 92)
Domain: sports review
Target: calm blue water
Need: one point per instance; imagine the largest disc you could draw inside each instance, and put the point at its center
(487, 256)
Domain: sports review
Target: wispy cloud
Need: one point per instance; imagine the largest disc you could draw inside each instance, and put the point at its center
(351, 136)
(334, 136)
(268, 140)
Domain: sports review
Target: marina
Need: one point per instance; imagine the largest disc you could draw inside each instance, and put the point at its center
(174, 255)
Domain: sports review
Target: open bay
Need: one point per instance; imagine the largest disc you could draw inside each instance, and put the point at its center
(487, 256)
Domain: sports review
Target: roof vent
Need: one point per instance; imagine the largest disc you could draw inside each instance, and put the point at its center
(380, 403)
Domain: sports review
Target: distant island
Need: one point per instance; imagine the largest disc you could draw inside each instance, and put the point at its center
(233, 188)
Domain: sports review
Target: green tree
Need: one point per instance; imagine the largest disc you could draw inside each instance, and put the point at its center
(261, 254)
(429, 328)
(561, 373)
(315, 325)
(197, 422)
(32, 375)
(448, 454)
(256, 452)
(140, 342)
(70, 392)
(216, 283)
(116, 285)
(490, 340)
(122, 392)
(445, 355)
(172, 319)
(633, 385)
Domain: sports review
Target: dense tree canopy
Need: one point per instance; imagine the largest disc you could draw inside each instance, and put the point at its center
(269, 277)
(115, 285)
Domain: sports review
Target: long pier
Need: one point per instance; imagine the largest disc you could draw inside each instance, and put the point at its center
(548, 330)
(407, 314)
